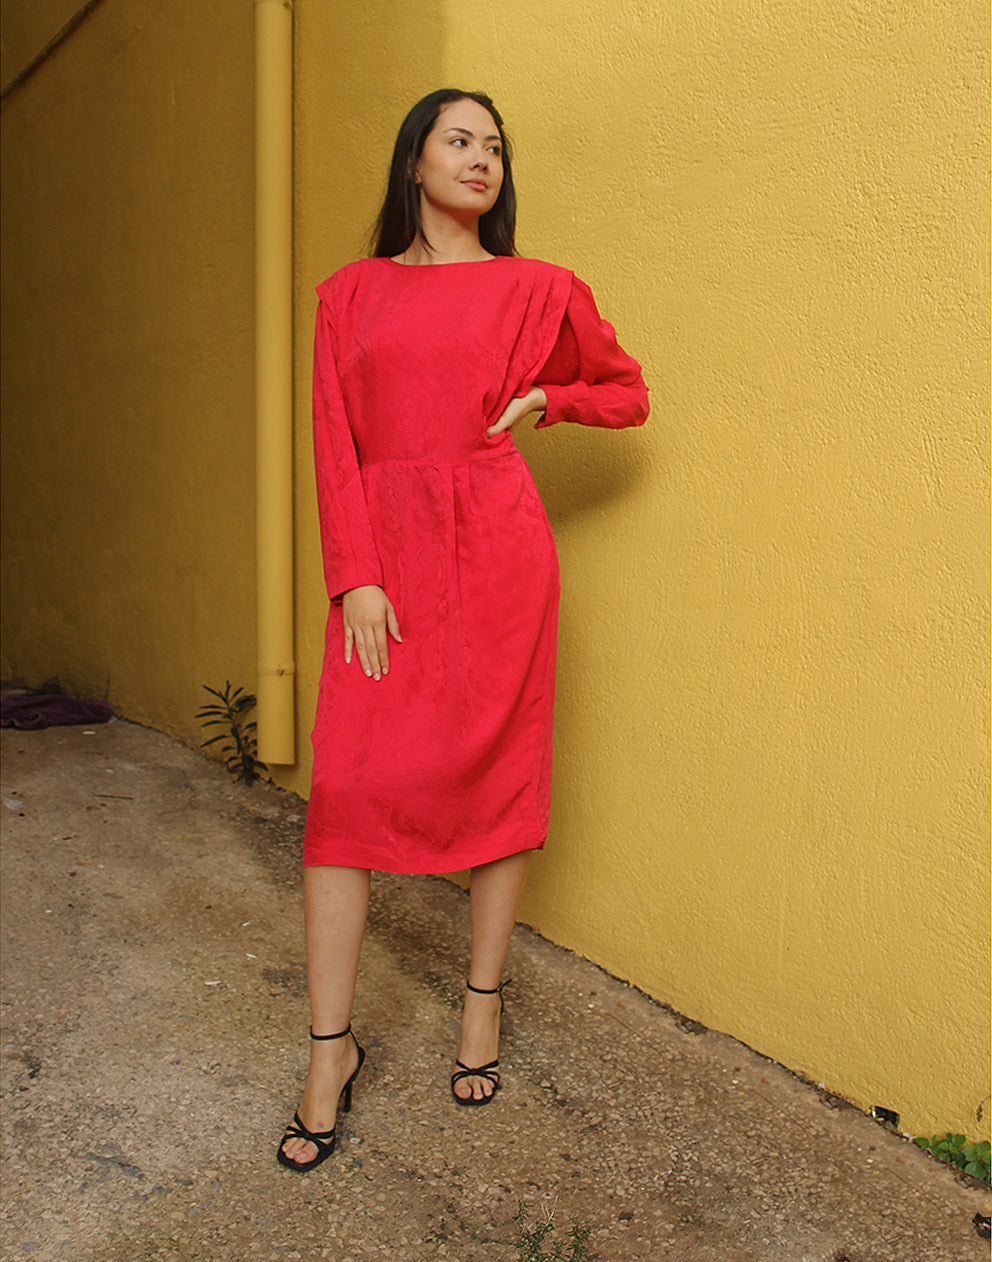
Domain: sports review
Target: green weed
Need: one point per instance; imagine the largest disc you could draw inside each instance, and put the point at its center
(241, 749)
(531, 1242)
(971, 1158)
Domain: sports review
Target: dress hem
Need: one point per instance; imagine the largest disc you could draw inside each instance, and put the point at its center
(465, 860)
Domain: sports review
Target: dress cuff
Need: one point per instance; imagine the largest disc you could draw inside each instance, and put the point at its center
(344, 582)
(560, 399)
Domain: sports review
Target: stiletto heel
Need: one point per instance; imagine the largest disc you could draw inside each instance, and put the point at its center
(323, 1141)
(491, 1071)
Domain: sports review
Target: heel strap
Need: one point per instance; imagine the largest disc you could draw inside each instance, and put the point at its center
(322, 1038)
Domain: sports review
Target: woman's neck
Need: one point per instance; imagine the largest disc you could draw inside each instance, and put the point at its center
(451, 242)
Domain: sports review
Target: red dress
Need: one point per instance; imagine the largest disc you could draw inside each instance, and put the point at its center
(446, 762)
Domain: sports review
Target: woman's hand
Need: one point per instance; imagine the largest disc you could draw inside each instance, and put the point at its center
(535, 400)
(367, 616)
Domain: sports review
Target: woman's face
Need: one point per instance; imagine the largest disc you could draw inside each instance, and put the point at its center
(460, 170)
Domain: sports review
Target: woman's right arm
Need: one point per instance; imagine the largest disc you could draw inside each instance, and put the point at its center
(352, 569)
(347, 545)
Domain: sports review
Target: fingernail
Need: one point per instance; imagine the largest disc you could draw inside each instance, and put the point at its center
(385, 670)
(369, 674)
(377, 675)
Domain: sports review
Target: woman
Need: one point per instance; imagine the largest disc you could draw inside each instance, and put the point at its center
(432, 739)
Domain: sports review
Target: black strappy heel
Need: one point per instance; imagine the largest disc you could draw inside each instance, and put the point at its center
(491, 1071)
(323, 1141)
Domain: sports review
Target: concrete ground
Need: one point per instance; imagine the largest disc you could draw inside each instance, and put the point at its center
(154, 1019)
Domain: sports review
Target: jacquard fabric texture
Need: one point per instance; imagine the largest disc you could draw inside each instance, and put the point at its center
(446, 762)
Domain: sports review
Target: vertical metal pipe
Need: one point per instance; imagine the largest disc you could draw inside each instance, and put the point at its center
(274, 377)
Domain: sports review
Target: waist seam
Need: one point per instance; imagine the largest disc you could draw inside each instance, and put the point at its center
(473, 457)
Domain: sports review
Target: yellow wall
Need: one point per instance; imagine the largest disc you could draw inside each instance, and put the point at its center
(128, 449)
(770, 805)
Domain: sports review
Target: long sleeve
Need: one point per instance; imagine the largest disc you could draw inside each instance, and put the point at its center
(588, 378)
(348, 548)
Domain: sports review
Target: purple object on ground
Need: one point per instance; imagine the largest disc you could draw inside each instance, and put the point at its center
(51, 710)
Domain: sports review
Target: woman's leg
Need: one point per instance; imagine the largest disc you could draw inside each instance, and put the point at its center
(335, 905)
(494, 894)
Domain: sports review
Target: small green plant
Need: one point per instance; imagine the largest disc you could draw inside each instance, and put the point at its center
(229, 713)
(971, 1158)
(530, 1245)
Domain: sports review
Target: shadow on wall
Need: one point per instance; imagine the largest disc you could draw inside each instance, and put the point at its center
(577, 473)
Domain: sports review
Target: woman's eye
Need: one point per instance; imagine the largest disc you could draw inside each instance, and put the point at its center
(458, 140)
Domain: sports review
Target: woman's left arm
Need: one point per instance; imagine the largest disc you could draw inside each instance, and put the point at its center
(588, 378)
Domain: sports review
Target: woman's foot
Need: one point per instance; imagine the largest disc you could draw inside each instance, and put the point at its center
(479, 1046)
(332, 1063)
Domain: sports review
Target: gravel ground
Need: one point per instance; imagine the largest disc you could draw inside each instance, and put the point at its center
(154, 1018)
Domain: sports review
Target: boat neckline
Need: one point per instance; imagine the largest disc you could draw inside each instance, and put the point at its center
(426, 267)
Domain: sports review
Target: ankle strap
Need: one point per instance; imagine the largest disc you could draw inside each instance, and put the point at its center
(498, 990)
(322, 1038)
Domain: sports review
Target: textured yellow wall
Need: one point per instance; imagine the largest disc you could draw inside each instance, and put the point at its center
(770, 799)
(128, 449)
(770, 806)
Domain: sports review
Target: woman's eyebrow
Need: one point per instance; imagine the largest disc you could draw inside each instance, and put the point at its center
(463, 131)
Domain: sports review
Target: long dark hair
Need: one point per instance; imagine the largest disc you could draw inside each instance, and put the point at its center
(398, 223)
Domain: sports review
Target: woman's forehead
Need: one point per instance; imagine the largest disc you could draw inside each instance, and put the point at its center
(468, 115)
